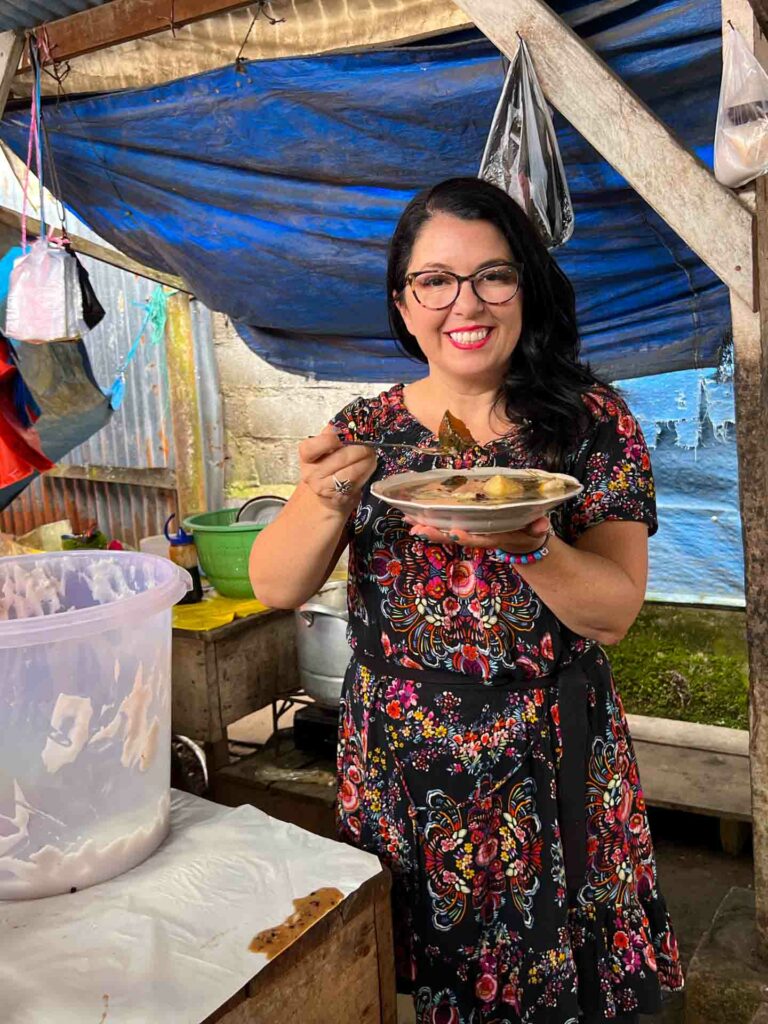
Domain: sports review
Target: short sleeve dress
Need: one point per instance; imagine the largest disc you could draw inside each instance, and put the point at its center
(484, 755)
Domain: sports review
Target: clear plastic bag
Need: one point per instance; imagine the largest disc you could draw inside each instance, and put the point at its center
(741, 135)
(522, 156)
(44, 298)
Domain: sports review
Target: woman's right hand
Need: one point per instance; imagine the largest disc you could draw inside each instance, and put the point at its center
(324, 457)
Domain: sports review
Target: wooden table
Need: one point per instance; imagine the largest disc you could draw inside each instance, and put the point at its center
(221, 675)
(341, 971)
(153, 954)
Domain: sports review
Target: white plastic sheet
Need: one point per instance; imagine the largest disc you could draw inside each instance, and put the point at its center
(168, 941)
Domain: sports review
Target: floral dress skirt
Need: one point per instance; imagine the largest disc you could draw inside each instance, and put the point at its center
(511, 815)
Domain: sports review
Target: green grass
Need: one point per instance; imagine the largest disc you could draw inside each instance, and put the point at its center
(685, 662)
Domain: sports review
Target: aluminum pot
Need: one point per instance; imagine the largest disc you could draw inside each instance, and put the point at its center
(321, 640)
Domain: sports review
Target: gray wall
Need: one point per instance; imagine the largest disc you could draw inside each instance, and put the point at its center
(267, 412)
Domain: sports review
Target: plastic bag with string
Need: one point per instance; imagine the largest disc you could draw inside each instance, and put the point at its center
(522, 156)
(46, 292)
(44, 300)
(741, 133)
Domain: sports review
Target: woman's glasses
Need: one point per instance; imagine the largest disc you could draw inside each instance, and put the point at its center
(438, 289)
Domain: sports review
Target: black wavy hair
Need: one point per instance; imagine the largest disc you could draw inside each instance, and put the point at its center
(545, 378)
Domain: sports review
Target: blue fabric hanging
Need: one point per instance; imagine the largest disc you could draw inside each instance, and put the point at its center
(273, 189)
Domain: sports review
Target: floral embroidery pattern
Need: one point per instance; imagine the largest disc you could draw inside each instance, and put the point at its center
(455, 785)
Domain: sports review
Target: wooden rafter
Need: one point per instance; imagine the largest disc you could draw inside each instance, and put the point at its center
(120, 21)
(707, 216)
(11, 219)
(11, 46)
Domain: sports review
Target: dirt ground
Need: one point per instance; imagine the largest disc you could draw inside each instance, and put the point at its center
(694, 874)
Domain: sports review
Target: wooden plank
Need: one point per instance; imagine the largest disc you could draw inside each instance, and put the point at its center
(713, 738)
(716, 785)
(707, 216)
(186, 420)
(382, 915)
(123, 20)
(750, 339)
(12, 219)
(156, 478)
(191, 713)
(11, 49)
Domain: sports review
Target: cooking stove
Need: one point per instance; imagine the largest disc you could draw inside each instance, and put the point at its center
(315, 729)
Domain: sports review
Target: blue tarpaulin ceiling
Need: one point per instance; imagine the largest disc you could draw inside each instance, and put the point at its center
(274, 189)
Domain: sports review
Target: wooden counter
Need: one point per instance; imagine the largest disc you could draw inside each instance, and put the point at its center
(341, 971)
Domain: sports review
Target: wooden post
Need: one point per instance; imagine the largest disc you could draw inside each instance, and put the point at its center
(185, 409)
(750, 340)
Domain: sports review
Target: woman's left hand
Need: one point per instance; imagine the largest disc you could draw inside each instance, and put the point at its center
(519, 542)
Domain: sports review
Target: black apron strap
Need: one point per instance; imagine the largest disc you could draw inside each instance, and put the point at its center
(572, 774)
(443, 677)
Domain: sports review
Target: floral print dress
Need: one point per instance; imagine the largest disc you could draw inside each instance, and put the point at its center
(456, 723)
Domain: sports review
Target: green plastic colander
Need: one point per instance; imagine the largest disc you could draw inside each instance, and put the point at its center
(223, 547)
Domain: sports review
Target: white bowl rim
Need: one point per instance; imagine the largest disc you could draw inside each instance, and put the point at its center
(477, 471)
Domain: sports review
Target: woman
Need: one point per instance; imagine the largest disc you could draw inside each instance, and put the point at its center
(483, 751)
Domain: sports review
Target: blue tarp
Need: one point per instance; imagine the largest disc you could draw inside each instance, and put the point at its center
(274, 189)
(688, 419)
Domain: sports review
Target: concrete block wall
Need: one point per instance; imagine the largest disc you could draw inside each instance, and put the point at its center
(267, 412)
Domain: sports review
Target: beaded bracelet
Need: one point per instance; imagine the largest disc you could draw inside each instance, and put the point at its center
(509, 558)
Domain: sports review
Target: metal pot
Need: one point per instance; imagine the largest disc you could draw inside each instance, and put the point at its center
(321, 640)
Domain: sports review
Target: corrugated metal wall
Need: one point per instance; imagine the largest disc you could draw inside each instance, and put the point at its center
(139, 435)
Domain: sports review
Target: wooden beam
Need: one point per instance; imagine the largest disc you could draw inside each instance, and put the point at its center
(707, 216)
(120, 21)
(185, 408)
(750, 341)
(12, 219)
(11, 49)
(149, 476)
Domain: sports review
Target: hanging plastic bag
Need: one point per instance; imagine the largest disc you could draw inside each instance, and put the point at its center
(45, 300)
(741, 134)
(522, 156)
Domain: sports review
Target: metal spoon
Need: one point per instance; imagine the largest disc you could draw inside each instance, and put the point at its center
(398, 444)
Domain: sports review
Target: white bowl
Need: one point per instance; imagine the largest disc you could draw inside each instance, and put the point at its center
(501, 518)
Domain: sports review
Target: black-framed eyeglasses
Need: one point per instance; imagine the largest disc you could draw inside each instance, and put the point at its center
(439, 289)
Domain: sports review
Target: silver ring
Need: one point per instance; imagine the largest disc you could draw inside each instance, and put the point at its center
(341, 486)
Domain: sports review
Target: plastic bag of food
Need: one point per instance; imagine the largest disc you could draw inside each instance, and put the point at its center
(741, 134)
(45, 301)
(522, 156)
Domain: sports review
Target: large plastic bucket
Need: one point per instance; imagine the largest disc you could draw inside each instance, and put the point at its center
(85, 716)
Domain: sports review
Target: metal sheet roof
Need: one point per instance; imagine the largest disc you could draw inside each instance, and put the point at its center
(28, 13)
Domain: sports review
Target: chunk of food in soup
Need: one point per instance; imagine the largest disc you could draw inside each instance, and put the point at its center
(493, 490)
(504, 487)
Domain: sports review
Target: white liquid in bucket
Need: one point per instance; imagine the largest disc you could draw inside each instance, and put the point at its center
(85, 658)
